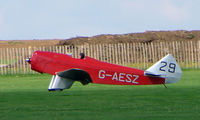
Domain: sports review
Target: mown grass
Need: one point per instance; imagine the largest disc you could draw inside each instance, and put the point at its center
(26, 97)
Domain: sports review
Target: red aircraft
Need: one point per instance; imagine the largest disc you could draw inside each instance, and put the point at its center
(66, 70)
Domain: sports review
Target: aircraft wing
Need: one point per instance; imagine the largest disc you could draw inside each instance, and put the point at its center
(76, 75)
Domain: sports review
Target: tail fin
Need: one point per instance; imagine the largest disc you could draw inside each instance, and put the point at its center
(167, 68)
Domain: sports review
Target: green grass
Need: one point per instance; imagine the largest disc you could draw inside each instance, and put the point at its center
(26, 97)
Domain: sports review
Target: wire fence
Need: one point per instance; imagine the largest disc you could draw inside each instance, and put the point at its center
(137, 55)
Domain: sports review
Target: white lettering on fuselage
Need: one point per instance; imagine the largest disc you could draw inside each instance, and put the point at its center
(121, 77)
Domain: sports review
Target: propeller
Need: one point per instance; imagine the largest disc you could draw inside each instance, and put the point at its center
(28, 60)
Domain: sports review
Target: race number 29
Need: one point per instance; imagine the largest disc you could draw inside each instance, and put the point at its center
(172, 67)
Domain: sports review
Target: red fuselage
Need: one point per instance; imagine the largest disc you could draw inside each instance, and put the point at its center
(100, 72)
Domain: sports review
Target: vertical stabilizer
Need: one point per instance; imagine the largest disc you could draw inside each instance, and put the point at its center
(167, 68)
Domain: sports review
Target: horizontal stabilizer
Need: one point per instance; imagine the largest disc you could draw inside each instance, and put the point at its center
(146, 73)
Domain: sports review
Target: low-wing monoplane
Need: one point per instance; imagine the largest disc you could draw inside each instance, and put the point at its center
(66, 70)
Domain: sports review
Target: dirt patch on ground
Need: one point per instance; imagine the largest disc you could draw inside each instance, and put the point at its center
(148, 36)
(27, 43)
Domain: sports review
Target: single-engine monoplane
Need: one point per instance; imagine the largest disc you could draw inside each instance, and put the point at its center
(66, 70)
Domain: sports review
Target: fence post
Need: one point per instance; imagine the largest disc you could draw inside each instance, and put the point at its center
(1, 60)
(198, 50)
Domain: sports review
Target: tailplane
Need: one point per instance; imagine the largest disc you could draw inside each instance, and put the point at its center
(166, 68)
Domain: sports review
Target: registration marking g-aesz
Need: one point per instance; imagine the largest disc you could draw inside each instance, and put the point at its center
(121, 77)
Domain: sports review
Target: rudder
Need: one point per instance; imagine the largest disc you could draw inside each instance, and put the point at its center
(167, 68)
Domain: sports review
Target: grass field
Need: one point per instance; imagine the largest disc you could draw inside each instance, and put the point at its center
(26, 97)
